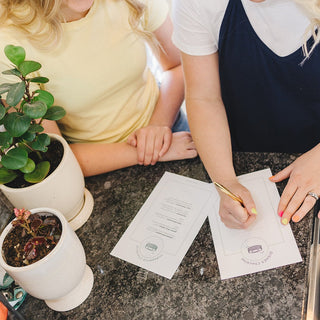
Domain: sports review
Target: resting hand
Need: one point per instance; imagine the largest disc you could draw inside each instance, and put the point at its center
(304, 176)
(232, 213)
(182, 147)
(152, 142)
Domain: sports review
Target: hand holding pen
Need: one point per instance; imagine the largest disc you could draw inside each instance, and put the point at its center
(236, 212)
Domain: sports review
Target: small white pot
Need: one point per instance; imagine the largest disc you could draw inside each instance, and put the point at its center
(63, 189)
(61, 278)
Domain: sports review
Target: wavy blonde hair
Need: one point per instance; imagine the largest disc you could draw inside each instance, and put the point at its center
(40, 20)
(312, 8)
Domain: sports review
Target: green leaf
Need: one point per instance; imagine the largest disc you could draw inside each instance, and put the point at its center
(5, 140)
(15, 159)
(16, 124)
(27, 67)
(2, 111)
(35, 110)
(29, 167)
(40, 172)
(5, 87)
(44, 96)
(55, 113)
(24, 147)
(39, 80)
(28, 136)
(34, 128)
(6, 175)
(14, 72)
(15, 54)
(41, 142)
(15, 93)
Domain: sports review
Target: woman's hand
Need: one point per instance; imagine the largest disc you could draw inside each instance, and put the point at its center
(152, 142)
(182, 147)
(231, 212)
(304, 177)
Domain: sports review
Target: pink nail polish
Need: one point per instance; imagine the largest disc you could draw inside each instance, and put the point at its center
(280, 213)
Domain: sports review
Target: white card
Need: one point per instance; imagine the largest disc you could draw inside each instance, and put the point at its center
(266, 244)
(164, 228)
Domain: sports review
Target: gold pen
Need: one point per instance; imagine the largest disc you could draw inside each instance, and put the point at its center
(229, 193)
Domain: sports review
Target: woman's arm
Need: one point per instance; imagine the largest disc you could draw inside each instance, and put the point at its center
(154, 140)
(210, 131)
(207, 116)
(172, 84)
(100, 158)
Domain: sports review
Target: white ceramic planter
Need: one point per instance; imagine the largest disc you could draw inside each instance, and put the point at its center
(61, 278)
(63, 190)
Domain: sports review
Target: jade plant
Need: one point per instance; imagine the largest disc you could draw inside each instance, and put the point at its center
(22, 112)
(32, 237)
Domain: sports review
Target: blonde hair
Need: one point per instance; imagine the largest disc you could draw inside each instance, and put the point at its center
(138, 20)
(37, 20)
(40, 20)
(312, 7)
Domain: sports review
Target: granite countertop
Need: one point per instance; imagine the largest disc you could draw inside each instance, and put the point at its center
(124, 291)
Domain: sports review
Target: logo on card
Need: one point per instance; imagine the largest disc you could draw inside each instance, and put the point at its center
(150, 248)
(255, 251)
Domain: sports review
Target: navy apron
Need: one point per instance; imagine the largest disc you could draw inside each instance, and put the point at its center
(272, 102)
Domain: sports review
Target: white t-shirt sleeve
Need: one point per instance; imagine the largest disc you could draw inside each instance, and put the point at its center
(280, 24)
(197, 25)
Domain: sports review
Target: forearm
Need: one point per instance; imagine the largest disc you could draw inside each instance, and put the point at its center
(207, 116)
(51, 127)
(100, 158)
(210, 131)
(170, 98)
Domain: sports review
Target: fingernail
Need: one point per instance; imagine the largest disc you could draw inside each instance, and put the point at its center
(284, 221)
(295, 218)
(280, 213)
(254, 211)
(270, 178)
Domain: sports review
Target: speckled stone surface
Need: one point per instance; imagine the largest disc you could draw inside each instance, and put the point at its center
(124, 291)
(6, 212)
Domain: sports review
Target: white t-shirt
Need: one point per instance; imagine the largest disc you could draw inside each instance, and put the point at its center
(280, 24)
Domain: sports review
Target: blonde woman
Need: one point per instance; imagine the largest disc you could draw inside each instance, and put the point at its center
(93, 52)
(246, 90)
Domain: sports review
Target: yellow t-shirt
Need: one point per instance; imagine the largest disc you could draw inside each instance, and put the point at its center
(98, 73)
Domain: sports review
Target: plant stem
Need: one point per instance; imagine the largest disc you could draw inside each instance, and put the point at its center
(25, 144)
(29, 231)
(39, 155)
(27, 90)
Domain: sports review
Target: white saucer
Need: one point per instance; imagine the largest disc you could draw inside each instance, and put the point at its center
(81, 218)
